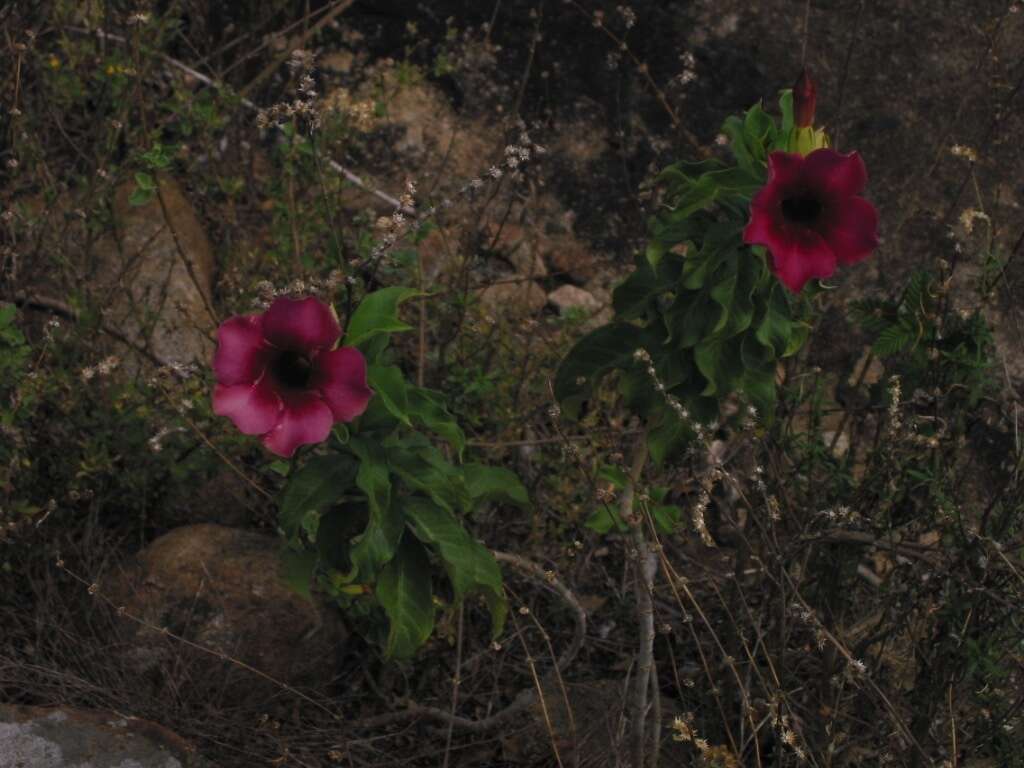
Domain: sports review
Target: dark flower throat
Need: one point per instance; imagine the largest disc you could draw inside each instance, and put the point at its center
(801, 209)
(293, 369)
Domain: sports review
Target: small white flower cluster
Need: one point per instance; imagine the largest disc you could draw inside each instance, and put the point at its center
(628, 16)
(515, 156)
(703, 499)
(750, 418)
(408, 198)
(682, 730)
(304, 106)
(156, 442)
(689, 73)
(103, 368)
(807, 616)
(174, 369)
(703, 433)
(784, 727)
(840, 515)
(266, 291)
(759, 482)
(895, 393)
(969, 216)
(51, 328)
(959, 150)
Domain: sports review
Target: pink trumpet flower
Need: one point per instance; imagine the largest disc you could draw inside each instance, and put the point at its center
(280, 376)
(810, 215)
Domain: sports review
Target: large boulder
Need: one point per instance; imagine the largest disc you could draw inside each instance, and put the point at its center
(221, 589)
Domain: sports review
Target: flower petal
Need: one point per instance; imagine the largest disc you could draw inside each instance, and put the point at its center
(784, 169)
(302, 325)
(340, 376)
(798, 258)
(241, 352)
(852, 230)
(764, 224)
(837, 175)
(305, 419)
(254, 408)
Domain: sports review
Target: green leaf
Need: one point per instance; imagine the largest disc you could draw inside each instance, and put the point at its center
(776, 328)
(721, 363)
(298, 570)
(145, 188)
(759, 387)
(720, 243)
(604, 518)
(637, 390)
(684, 172)
(667, 436)
(423, 468)
(157, 158)
(700, 194)
(737, 181)
(614, 475)
(801, 331)
(690, 318)
(741, 313)
(389, 384)
(377, 313)
(756, 356)
(486, 483)
(669, 229)
(404, 592)
(734, 129)
(599, 352)
(723, 291)
(666, 517)
(760, 128)
(336, 530)
(470, 566)
(320, 482)
(376, 545)
(426, 408)
(632, 297)
(892, 340)
(145, 181)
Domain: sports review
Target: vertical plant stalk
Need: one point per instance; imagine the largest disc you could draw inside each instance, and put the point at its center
(647, 567)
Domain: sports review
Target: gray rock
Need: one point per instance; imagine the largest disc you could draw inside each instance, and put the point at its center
(33, 737)
(513, 299)
(568, 297)
(155, 275)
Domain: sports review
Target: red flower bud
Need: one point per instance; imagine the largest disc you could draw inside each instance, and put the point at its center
(804, 98)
